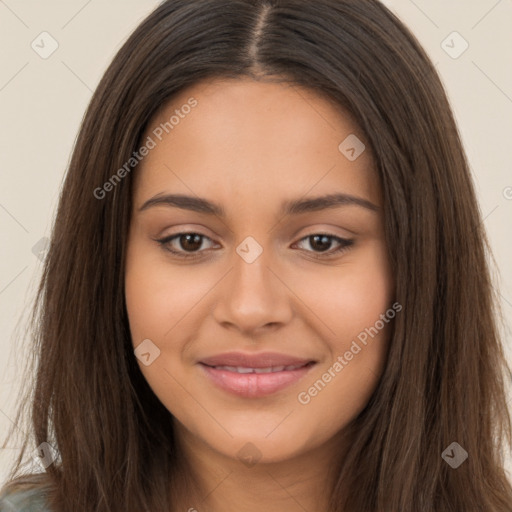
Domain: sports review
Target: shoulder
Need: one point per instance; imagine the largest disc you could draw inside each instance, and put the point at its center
(32, 500)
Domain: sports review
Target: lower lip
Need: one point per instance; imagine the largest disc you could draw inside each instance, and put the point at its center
(254, 385)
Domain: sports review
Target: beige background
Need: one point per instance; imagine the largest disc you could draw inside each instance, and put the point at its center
(42, 102)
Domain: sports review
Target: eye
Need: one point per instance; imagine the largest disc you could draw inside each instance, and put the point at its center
(321, 242)
(188, 244)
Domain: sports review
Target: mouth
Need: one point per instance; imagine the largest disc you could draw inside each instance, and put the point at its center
(270, 369)
(254, 382)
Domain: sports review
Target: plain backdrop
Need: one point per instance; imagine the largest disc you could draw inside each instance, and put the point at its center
(43, 98)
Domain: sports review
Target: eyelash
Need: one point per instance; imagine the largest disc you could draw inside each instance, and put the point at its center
(345, 244)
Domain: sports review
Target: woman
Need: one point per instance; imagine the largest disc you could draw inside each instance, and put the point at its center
(267, 286)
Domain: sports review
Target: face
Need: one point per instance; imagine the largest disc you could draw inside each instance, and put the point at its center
(259, 309)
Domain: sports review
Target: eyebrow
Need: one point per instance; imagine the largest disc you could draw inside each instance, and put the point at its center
(293, 207)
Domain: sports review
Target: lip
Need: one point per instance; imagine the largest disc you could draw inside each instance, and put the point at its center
(260, 360)
(254, 385)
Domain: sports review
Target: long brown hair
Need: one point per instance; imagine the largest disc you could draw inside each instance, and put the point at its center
(444, 379)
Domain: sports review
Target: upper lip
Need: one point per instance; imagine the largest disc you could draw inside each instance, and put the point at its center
(261, 360)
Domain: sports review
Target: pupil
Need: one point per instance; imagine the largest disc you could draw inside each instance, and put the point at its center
(193, 242)
(196, 239)
(324, 243)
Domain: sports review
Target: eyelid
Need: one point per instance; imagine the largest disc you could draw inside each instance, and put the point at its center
(345, 244)
(166, 240)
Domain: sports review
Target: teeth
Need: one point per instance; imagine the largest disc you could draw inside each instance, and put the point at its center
(272, 369)
(239, 369)
(269, 370)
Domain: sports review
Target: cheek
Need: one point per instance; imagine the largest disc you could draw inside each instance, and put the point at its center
(350, 300)
(158, 298)
(159, 295)
(351, 296)
(351, 306)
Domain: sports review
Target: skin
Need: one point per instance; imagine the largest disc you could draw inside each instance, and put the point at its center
(249, 146)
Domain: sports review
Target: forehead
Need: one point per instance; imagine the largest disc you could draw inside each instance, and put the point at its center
(251, 138)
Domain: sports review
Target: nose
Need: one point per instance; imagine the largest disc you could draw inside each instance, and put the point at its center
(253, 297)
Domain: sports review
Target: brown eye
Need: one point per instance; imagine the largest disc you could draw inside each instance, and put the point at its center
(183, 243)
(190, 242)
(321, 243)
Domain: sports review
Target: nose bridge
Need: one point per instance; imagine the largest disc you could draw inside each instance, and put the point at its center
(251, 266)
(252, 295)
(253, 282)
